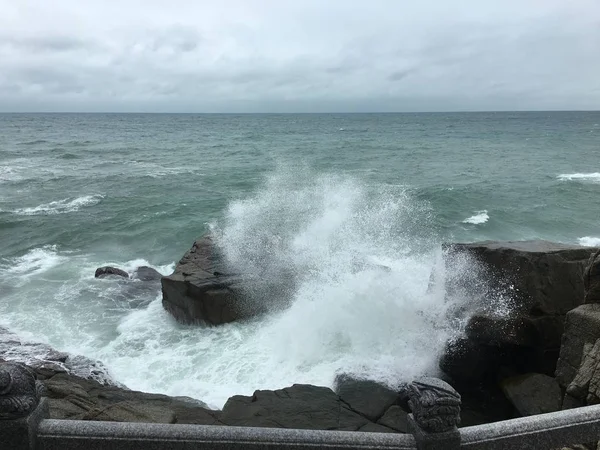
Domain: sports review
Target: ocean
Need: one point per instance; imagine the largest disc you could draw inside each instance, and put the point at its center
(311, 193)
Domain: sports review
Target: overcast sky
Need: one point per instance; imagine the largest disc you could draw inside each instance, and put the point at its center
(299, 55)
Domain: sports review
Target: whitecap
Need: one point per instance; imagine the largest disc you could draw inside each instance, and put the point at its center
(589, 241)
(479, 218)
(66, 205)
(584, 177)
(35, 261)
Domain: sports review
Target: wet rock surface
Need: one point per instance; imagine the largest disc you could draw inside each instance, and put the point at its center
(199, 290)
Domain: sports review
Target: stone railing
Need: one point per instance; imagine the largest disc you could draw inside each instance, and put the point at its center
(435, 405)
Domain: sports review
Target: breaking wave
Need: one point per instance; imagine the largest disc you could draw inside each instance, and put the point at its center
(582, 177)
(66, 205)
(35, 261)
(479, 218)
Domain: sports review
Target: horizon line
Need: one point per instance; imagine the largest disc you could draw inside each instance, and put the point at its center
(313, 112)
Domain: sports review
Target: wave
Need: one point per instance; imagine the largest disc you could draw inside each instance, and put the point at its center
(358, 259)
(583, 177)
(35, 142)
(479, 218)
(9, 173)
(66, 205)
(34, 262)
(154, 170)
(589, 241)
(68, 156)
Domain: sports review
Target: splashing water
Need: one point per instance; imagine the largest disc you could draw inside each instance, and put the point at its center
(360, 264)
(354, 262)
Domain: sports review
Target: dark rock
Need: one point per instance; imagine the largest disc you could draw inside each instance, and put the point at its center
(194, 294)
(368, 398)
(539, 281)
(484, 404)
(519, 331)
(582, 326)
(570, 402)
(544, 278)
(299, 406)
(533, 393)
(102, 272)
(395, 418)
(591, 279)
(586, 384)
(129, 411)
(46, 361)
(71, 397)
(145, 273)
(466, 361)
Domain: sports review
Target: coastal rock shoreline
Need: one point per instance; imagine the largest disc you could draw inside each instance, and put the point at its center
(515, 356)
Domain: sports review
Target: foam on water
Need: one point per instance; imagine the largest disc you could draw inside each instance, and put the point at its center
(34, 262)
(63, 206)
(582, 177)
(589, 241)
(479, 218)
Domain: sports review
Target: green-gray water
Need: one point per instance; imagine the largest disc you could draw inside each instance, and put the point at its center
(79, 191)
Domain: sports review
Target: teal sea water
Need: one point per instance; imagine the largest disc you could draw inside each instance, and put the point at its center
(310, 193)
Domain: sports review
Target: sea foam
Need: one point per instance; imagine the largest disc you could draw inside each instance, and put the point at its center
(35, 261)
(66, 205)
(582, 177)
(479, 218)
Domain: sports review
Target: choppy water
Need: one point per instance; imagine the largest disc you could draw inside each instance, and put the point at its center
(312, 194)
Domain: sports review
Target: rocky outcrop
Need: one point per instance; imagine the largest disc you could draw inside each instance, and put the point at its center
(76, 398)
(543, 278)
(586, 384)
(106, 271)
(199, 291)
(533, 393)
(591, 279)
(142, 273)
(298, 406)
(145, 273)
(538, 283)
(582, 326)
(368, 398)
(47, 362)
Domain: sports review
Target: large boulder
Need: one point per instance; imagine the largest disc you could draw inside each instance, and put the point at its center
(585, 387)
(533, 393)
(145, 273)
(299, 406)
(582, 326)
(106, 271)
(591, 279)
(366, 397)
(523, 291)
(199, 291)
(543, 278)
(71, 397)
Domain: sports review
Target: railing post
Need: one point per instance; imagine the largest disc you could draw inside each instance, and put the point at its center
(21, 408)
(435, 407)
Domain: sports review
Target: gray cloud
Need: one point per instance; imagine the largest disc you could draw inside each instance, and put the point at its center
(278, 55)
